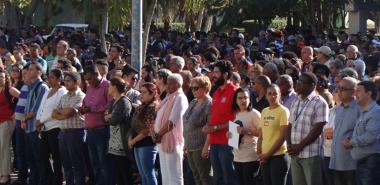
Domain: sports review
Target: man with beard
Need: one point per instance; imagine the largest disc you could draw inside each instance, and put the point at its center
(221, 113)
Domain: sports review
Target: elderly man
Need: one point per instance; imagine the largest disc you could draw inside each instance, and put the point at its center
(288, 95)
(168, 131)
(352, 54)
(306, 57)
(346, 116)
(62, 47)
(176, 64)
(324, 55)
(365, 141)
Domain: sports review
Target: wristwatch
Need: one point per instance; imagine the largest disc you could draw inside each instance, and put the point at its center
(215, 127)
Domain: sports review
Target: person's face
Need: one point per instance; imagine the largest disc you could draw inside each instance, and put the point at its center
(304, 85)
(114, 53)
(172, 86)
(111, 89)
(91, 79)
(242, 100)
(256, 85)
(217, 75)
(25, 76)
(190, 65)
(344, 91)
(238, 54)
(351, 53)
(70, 55)
(2, 79)
(320, 56)
(15, 74)
(174, 68)
(198, 90)
(120, 64)
(362, 96)
(131, 79)
(145, 95)
(307, 55)
(144, 73)
(102, 69)
(273, 96)
(160, 82)
(61, 50)
(53, 80)
(69, 83)
(33, 72)
(17, 54)
(333, 70)
(34, 52)
(284, 87)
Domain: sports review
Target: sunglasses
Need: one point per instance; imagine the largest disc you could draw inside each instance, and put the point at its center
(195, 88)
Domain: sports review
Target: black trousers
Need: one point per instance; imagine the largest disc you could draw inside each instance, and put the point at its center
(246, 172)
(50, 146)
(275, 170)
(122, 169)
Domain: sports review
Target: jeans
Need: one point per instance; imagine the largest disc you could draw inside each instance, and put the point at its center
(50, 146)
(97, 142)
(122, 169)
(368, 170)
(188, 177)
(307, 171)
(275, 170)
(22, 162)
(71, 148)
(247, 171)
(145, 158)
(222, 163)
(32, 150)
(200, 167)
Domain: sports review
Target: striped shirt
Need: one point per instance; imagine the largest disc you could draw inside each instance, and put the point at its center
(72, 101)
(21, 103)
(304, 114)
(34, 99)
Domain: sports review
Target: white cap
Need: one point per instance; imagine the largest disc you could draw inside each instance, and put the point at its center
(324, 50)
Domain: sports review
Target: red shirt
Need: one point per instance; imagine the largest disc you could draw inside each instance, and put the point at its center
(5, 107)
(221, 112)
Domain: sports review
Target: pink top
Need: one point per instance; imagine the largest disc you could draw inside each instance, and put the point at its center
(98, 100)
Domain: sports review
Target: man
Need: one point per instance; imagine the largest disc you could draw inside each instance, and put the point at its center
(308, 115)
(306, 57)
(37, 89)
(71, 145)
(221, 155)
(102, 67)
(271, 71)
(176, 64)
(35, 56)
(240, 61)
(61, 51)
(288, 95)
(260, 86)
(352, 53)
(365, 141)
(346, 116)
(130, 76)
(324, 55)
(96, 102)
(114, 57)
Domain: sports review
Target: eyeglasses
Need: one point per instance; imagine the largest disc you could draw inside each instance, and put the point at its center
(16, 70)
(195, 88)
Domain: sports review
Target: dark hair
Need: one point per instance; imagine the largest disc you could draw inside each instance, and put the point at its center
(164, 74)
(7, 86)
(264, 80)
(38, 66)
(92, 69)
(369, 86)
(324, 68)
(66, 63)
(76, 77)
(118, 47)
(20, 67)
(235, 106)
(152, 88)
(119, 83)
(224, 67)
(311, 78)
(150, 70)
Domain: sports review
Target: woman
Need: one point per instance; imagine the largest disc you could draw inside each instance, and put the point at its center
(196, 142)
(6, 125)
(168, 131)
(145, 150)
(245, 158)
(162, 76)
(9, 61)
(50, 128)
(118, 116)
(274, 160)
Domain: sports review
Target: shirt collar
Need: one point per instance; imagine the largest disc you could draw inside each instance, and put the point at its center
(370, 107)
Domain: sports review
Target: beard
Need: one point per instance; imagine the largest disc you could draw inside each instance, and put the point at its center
(219, 81)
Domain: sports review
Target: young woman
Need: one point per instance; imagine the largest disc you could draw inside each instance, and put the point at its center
(274, 160)
(145, 150)
(246, 158)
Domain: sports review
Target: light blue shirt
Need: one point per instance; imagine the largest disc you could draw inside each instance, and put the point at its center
(345, 120)
(366, 136)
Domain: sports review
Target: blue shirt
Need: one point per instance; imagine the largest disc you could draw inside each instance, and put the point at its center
(33, 102)
(21, 103)
(346, 117)
(366, 136)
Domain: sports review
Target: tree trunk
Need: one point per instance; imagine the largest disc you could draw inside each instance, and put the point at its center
(12, 16)
(103, 25)
(148, 20)
(28, 16)
(208, 24)
(198, 26)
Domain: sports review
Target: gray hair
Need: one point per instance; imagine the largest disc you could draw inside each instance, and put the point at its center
(286, 78)
(179, 61)
(348, 72)
(351, 81)
(235, 77)
(64, 43)
(177, 78)
(164, 73)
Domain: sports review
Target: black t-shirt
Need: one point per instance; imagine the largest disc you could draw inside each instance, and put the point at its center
(261, 104)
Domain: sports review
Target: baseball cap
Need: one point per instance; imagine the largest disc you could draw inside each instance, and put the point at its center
(324, 50)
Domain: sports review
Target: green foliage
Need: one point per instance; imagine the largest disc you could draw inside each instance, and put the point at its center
(21, 3)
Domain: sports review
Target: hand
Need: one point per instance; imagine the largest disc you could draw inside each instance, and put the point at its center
(23, 125)
(228, 135)
(205, 152)
(84, 110)
(38, 125)
(263, 158)
(107, 117)
(328, 132)
(207, 129)
(347, 143)
(240, 130)
(295, 149)
(131, 143)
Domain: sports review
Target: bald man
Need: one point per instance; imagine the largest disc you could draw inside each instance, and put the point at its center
(352, 53)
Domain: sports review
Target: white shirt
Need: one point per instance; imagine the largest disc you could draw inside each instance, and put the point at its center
(46, 109)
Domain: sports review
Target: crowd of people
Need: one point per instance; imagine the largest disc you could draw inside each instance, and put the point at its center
(306, 107)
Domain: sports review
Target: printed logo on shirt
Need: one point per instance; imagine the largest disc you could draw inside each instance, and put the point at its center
(267, 120)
